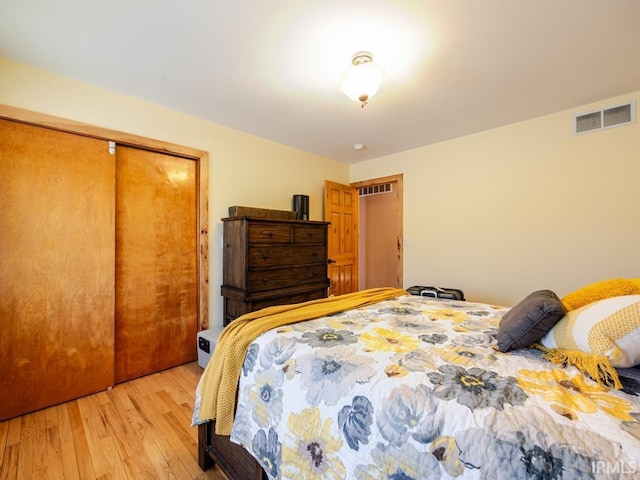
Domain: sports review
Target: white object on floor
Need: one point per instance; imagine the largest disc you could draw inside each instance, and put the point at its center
(207, 340)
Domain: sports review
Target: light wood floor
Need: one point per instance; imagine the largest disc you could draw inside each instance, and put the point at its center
(138, 430)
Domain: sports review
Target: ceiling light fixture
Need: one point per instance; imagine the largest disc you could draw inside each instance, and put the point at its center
(362, 80)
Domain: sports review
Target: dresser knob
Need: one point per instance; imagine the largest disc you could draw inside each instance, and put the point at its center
(265, 256)
(265, 279)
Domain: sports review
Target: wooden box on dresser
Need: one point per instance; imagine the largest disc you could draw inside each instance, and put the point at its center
(272, 262)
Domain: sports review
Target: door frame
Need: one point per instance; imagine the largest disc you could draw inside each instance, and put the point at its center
(398, 178)
(202, 181)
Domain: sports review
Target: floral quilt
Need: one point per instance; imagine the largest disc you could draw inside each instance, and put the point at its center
(413, 388)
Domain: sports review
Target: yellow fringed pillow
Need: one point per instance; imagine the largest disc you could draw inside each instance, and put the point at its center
(613, 287)
(598, 337)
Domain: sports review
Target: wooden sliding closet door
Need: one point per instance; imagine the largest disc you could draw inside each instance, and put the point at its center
(156, 248)
(57, 251)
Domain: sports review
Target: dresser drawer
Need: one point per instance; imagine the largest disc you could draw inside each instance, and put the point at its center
(265, 233)
(280, 256)
(286, 277)
(284, 300)
(237, 304)
(309, 234)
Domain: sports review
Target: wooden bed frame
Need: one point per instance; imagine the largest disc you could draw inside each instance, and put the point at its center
(230, 457)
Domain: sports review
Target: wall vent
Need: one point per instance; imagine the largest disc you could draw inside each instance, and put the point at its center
(375, 189)
(615, 116)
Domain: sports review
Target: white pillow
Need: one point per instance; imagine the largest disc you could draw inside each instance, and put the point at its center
(606, 328)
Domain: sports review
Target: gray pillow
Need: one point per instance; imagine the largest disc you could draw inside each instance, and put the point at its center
(526, 322)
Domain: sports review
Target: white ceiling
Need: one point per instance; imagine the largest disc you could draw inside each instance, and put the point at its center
(271, 67)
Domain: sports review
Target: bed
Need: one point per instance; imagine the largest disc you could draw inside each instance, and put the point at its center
(409, 387)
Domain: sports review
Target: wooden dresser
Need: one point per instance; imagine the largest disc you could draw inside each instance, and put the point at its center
(272, 262)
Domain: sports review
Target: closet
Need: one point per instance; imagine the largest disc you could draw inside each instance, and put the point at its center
(155, 277)
(98, 264)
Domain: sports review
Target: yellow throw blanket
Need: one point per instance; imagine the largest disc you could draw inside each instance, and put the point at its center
(219, 382)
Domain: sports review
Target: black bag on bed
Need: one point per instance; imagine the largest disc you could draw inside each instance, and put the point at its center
(437, 292)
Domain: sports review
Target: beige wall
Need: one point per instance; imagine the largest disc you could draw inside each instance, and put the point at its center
(498, 214)
(244, 169)
(523, 207)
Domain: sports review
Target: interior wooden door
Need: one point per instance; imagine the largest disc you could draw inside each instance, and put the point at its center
(57, 251)
(341, 209)
(156, 248)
